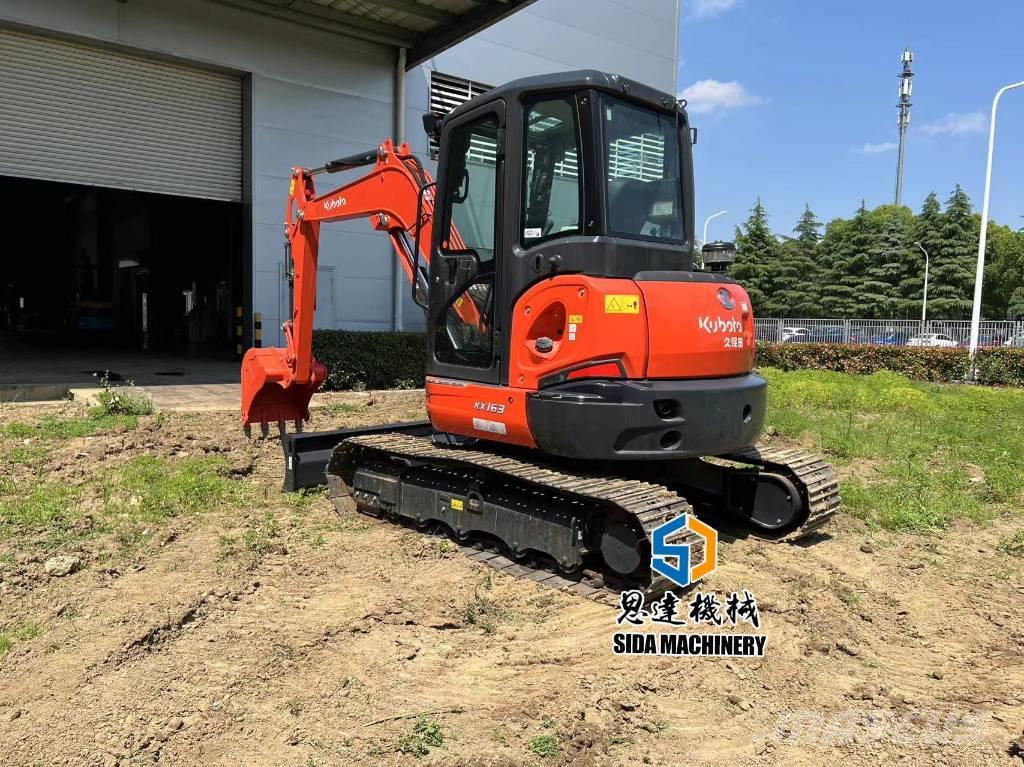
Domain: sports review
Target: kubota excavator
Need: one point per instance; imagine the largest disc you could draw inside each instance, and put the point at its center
(579, 370)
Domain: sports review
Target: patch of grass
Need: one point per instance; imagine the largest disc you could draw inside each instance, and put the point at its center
(18, 632)
(259, 538)
(294, 707)
(303, 498)
(28, 455)
(53, 428)
(425, 734)
(47, 505)
(152, 488)
(546, 746)
(938, 452)
(344, 408)
(1013, 545)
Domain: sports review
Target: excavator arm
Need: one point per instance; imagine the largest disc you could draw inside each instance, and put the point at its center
(397, 198)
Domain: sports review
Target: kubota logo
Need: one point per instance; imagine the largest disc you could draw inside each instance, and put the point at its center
(718, 325)
(337, 202)
(684, 571)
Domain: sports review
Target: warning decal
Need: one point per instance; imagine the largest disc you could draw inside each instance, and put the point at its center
(622, 304)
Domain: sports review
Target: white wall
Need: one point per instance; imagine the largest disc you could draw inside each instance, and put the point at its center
(634, 38)
(316, 96)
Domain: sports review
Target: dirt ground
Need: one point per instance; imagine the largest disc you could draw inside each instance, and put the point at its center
(280, 634)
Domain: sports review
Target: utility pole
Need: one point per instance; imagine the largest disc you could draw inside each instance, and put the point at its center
(906, 86)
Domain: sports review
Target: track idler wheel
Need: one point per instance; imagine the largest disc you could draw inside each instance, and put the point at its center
(777, 504)
(624, 546)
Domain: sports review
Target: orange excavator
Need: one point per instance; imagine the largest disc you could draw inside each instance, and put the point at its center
(584, 383)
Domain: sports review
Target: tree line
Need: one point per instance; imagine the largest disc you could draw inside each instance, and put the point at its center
(870, 267)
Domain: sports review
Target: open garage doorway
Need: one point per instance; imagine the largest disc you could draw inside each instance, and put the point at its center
(141, 284)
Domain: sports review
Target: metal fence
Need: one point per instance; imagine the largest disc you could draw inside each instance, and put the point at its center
(889, 332)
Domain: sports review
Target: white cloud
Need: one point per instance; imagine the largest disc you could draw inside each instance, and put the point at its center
(704, 9)
(887, 146)
(709, 95)
(956, 124)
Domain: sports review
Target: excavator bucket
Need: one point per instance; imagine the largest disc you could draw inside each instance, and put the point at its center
(270, 392)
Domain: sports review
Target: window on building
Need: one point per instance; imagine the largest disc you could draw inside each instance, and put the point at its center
(448, 92)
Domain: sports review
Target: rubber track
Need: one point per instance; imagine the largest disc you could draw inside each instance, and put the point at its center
(816, 480)
(649, 503)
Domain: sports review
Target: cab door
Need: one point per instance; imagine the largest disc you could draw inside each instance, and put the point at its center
(465, 285)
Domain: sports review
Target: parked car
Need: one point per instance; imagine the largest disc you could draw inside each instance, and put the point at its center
(889, 338)
(931, 339)
(1016, 341)
(830, 335)
(987, 339)
(794, 334)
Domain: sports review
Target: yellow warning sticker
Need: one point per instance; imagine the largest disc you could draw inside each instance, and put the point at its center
(457, 505)
(622, 304)
(575, 319)
(291, 188)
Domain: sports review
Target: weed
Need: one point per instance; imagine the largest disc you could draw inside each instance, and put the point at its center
(484, 612)
(294, 707)
(847, 595)
(18, 632)
(546, 746)
(426, 733)
(122, 400)
(1012, 545)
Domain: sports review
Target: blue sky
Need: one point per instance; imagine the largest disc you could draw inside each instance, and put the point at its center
(796, 102)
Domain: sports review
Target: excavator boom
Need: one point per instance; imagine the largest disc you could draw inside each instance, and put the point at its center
(396, 197)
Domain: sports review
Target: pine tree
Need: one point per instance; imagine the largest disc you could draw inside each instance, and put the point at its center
(951, 281)
(879, 294)
(797, 274)
(847, 262)
(757, 253)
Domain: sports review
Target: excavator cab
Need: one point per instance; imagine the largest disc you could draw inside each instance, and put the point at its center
(565, 220)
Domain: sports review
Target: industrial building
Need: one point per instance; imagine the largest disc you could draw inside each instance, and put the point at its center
(145, 148)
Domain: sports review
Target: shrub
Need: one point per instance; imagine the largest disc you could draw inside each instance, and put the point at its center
(387, 360)
(122, 400)
(996, 367)
(371, 360)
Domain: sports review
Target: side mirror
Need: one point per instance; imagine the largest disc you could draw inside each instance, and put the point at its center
(432, 125)
(693, 137)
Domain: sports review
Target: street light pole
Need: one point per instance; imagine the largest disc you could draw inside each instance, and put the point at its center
(706, 220)
(979, 273)
(924, 303)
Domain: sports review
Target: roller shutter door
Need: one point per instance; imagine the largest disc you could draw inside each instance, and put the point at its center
(86, 115)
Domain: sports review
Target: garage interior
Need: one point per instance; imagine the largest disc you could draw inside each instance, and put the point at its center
(96, 268)
(121, 191)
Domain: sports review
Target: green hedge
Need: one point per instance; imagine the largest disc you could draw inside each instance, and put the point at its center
(996, 367)
(386, 360)
(371, 360)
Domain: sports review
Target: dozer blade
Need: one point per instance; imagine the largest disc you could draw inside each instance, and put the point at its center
(270, 393)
